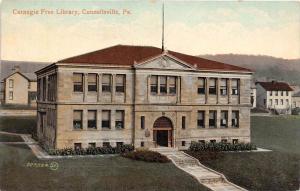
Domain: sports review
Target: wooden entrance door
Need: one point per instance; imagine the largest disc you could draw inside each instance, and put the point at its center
(162, 132)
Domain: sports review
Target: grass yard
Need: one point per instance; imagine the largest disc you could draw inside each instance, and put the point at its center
(10, 138)
(277, 170)
(15, 124)
(107, 173)
(279, 133)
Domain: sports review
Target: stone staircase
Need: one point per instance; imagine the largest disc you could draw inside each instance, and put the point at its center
(206, 176)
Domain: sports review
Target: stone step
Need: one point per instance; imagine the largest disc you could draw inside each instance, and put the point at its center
(205, 176)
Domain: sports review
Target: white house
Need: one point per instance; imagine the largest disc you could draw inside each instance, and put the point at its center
(275, 96)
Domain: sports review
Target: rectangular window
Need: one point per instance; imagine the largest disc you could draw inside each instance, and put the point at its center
(172, 85)
(77, 146)
(105, 119)
(142, 144)
(44, 88)
(11, 95)
(235, 119)
(92, 82)
(183, 143)
(201, 85)
(39, 89)
(271, 93)
(281, 101)
(224, 119)
(92, 145)
(106, 144)
(183, 122)
(212, 119)
(119, 119)
(213, 86)
(287, 102)
(106, 83)
(154, 84)
(276, 101)
(120, 144)
(223, 87)
(276, 93)
(235, 141)
(142, 122)
(92, 119)
(77, 119)
(11, 83)
(77, 82)
(287, 93)
(212, 141)
(281, 93)
(271, 102)
(163, 84)
(120, 83)
(200, 119)
(235, 86)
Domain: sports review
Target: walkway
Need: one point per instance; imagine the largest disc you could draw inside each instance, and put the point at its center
(32, 144)
(206, 176)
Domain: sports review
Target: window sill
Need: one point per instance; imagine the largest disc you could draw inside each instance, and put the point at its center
(119, 129)
(92, 92)
(77, 92)
(92, 129)
(202, 127)
(105, 129)
(77, 129)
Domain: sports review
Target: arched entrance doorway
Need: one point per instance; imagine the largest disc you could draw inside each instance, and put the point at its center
(162, 132)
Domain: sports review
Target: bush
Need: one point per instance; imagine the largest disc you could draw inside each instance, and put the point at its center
(217, 147)
(91, 150)
(296, 111)
(145, 155)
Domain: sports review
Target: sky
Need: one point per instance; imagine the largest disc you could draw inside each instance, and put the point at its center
(191, 27)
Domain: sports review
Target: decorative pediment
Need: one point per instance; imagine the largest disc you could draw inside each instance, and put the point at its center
(164, 62)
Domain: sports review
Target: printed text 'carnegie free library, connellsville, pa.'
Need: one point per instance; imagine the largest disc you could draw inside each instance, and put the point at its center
(72, 12)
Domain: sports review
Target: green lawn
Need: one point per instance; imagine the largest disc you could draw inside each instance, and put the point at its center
(279, 133)
(107, 173)
(10, 138)
(15, 124)
(277, 170)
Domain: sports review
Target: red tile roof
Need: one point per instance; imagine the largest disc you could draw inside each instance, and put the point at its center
(125, 55)
(275, 86)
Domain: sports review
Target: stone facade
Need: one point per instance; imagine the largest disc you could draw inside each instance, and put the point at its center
(140, 105)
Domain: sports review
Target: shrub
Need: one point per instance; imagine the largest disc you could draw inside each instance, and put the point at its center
(217, 147)
(91, 150)
(146, 155)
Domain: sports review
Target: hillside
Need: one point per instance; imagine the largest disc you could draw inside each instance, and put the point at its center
(265, 67)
